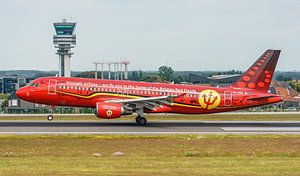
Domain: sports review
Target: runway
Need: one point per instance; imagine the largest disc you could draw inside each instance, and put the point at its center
(154, 127)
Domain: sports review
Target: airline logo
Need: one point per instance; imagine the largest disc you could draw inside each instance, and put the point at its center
(209, 99)
(108, 113)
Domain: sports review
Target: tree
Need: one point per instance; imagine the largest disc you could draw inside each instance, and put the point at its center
(178, 79)
(279, 78)
(166, 73)
(283, 78)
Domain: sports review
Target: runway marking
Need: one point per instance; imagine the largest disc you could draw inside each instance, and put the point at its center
(279, 129)
(146, 133)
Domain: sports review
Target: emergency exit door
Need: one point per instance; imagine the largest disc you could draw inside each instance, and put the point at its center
(52, 86)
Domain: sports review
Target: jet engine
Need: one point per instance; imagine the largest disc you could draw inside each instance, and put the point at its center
(107, 110)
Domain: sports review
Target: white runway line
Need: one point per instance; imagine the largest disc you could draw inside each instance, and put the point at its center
(148, 133)
(262, 129)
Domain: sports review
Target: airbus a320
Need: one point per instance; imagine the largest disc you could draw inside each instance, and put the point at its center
(114, 98)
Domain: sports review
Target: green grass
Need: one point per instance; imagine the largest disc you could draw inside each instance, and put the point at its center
(206, 117)
(150, 155)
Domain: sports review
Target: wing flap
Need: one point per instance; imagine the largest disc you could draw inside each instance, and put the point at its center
(139, 99)
(147, 102)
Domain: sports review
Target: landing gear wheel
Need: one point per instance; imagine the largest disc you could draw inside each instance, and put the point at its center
(50, 117)
(138, 118)
(141, 121)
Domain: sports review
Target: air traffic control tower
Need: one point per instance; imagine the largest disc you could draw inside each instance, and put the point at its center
(64, 40)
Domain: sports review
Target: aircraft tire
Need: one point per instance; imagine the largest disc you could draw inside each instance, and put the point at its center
(50, 117)
(142, 121)
(137, 119)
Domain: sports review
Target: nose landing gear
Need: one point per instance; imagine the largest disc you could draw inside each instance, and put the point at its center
(50, 117)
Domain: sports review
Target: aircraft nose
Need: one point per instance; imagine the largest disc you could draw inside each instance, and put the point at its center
(21, 93)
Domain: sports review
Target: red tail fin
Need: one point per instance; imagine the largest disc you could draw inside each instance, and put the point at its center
(260, 74)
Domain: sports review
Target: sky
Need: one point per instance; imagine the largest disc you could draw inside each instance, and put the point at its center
(188, 35)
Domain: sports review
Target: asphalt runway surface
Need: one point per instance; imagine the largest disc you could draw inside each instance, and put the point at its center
(153, 127)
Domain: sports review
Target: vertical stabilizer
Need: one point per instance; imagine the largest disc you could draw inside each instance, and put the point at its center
(259, 75)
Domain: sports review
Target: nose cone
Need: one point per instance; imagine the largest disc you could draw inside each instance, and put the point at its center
(21, 93)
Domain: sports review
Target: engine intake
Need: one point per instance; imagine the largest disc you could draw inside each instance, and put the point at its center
(110, 110)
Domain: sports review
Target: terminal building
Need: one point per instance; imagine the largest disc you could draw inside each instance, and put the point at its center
(64, 40)
(215, 80)
(9, 84)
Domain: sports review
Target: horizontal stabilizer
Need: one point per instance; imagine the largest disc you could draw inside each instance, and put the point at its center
(261, 97)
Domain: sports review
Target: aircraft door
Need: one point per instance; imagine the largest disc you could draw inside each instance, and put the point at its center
(227, 98)
(52, 86)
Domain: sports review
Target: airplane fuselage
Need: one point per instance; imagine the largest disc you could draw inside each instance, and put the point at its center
(188, 99)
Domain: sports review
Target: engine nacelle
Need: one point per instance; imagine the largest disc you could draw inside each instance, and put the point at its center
(110, 110)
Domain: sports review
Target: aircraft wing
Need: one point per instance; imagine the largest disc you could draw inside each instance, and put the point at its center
(147, 102)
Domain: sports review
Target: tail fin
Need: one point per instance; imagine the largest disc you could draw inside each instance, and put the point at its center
(260, 74)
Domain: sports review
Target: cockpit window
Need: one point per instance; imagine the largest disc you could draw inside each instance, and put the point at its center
(31, 84)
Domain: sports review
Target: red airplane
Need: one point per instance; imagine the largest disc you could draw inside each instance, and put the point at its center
(114, 98)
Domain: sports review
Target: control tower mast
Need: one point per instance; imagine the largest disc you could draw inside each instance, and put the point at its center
(64, 40)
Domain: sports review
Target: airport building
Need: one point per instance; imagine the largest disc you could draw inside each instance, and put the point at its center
(215, 80)
(64, 40)
(9, 84)
(291, 98)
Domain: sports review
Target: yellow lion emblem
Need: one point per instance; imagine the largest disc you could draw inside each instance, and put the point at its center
(209, 99)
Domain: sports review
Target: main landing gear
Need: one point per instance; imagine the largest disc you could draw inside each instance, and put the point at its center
(141, 121)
